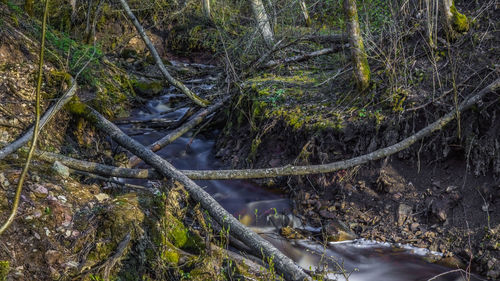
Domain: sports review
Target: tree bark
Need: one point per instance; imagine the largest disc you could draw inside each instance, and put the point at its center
(12, 147)
(358, 54)
(305, 12)
(206, 9)
(176, 83)
(283, 264)
(454, 22)
(28, 7)
(262, 20)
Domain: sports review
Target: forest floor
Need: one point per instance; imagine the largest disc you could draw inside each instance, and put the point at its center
(442, 194)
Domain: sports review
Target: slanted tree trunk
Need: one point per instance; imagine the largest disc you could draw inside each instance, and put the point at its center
(206, 9)
(28, 7)
(259, 12)
(305, 12)
(454, 22)
(358, 54)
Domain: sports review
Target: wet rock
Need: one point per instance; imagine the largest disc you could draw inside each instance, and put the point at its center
(336, 230)
(60, 169)
(404, 212)
(290, 233)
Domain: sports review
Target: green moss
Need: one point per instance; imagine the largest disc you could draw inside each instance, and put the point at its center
(147, 88)
(4, 270)
(460, 21)
(76, 107)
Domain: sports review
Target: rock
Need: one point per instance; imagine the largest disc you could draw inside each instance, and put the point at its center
(101, 197)
(54, 274)
(414, 226)
(53, 256)
(40, 191)
(60, 169)
(404, 212)
(451, 262)
(327, 214)
(4, 182)
(338, 231)
(290, 233)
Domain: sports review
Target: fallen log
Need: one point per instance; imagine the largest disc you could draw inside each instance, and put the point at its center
(66, 97)
(283, 264)
(288, 170)
(176, 83)
(172, 136)
(299, 58)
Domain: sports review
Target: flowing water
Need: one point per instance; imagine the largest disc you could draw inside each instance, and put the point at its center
(254, 205)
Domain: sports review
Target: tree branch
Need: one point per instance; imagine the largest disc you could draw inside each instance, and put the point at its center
(12, 147)
(176, 83)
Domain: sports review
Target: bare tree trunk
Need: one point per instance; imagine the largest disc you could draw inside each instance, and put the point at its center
(432, 18)
(283, 264)
(454, 22)
(360, 62)
(305, 12)
(206, 9)
(174, 82)
(262, 20)
(28, 7)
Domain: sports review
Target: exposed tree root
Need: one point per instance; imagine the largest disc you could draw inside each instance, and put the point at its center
(283, 264)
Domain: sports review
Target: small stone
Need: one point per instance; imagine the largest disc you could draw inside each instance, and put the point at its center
(4, 182)
(414, 226)
(101, 197)
(52, 257)
(404, 211)
(62, 198)
(40, 191)
(451, 188)
(60, 169)
(54, 274)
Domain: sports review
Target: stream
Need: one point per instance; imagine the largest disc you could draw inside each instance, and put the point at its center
(254, 205)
